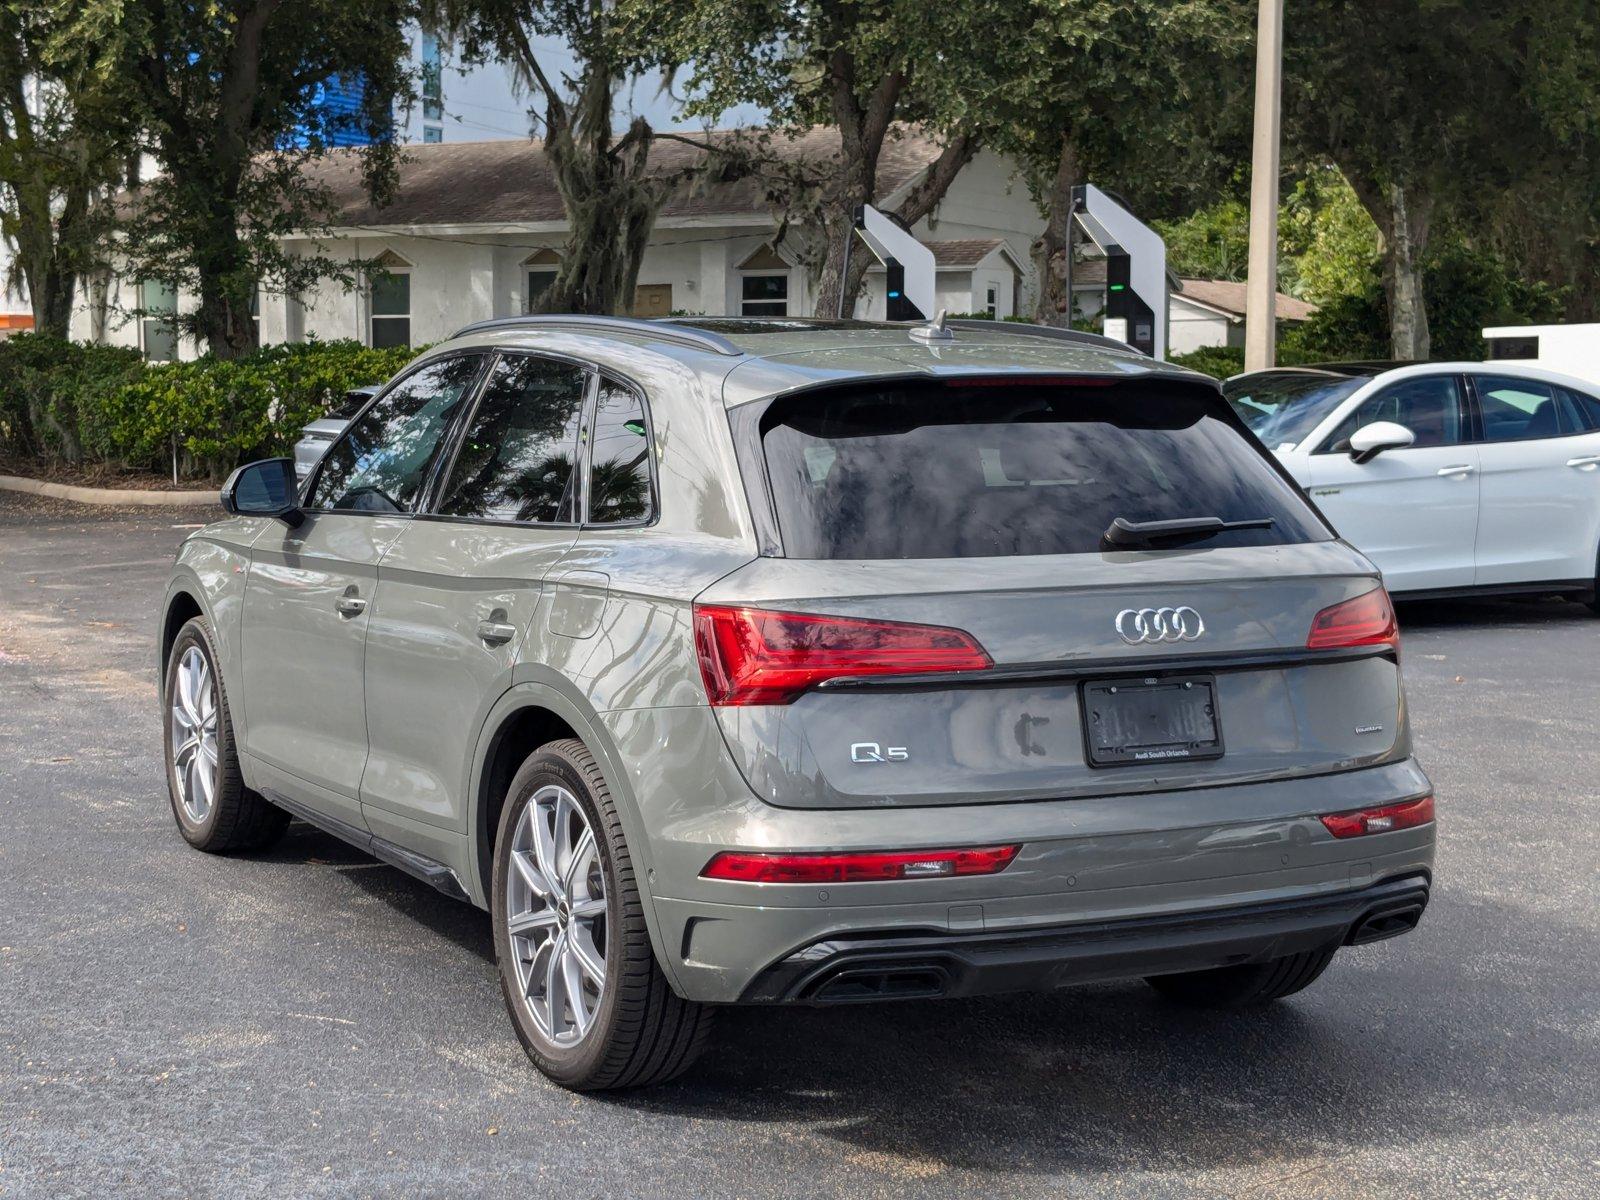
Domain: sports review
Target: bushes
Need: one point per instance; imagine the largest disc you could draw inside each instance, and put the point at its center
(1217, 361)
(65, 401)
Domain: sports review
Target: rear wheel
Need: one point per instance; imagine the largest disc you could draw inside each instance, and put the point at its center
(1245, 986)
(214, 810)
(581, 982)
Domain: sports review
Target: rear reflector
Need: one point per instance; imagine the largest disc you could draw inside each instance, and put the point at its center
(1365, 620)
(753, 656)
(858, 868)
(1387, 819)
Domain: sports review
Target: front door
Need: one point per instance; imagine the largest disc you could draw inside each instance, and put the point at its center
(1414, 511)
(459, 590)
(308, 600)
(1541, 483)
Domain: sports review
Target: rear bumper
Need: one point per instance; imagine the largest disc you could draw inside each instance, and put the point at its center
(869, 966)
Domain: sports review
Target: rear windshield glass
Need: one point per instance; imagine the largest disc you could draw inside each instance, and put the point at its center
(973, 471)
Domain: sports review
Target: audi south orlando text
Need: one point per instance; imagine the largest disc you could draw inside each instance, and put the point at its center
(791, 662)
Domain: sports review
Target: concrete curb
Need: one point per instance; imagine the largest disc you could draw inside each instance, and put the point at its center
(113, 496)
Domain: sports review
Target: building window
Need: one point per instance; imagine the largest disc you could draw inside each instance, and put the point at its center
(432, 81)
(764, 285)
(540, 268)
(158, 332)
(255, 312)
(990, 303)
(432, 134)
(391, 301)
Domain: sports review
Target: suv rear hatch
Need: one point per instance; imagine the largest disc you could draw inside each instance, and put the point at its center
(1059, 664)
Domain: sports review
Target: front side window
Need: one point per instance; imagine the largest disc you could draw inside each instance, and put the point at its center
(1520, 410)
(516, 462)
(619, 463)
(391, 309)
(382, 463)
(1430, 407)
(764, 296)
(973, 470)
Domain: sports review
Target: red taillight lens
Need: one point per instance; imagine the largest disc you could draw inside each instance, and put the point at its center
(1387, 819)
(1365, 620)
(858, 868)
(752, 656)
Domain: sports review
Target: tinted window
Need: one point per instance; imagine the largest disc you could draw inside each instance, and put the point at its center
(1281, 409)
(1518, 410)
(1430, 407)
(516, 461)
(1584, 407)
(383, 461)
(970, 471)
(619, 466)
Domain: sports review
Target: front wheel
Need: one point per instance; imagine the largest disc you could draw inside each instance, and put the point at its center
(214, 810)
(580, 980)
(1248, 985)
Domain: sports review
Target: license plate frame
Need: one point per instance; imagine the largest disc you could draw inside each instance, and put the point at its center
(1172, 708)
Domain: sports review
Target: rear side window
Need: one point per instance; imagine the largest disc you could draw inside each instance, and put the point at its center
(619, 464)
(1521, 410)
(973, 471)
(1585, 408)
(516, 462)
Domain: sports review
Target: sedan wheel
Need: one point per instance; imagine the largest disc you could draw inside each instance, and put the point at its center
(194, 734)
(556, 915)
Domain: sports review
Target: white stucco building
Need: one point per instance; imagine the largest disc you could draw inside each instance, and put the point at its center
(476, 230)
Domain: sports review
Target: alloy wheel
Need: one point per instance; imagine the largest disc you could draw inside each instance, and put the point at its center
(194, 734)
(556, 915)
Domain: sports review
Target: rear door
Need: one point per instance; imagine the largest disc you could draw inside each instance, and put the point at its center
(1540, 463)
(459, 590)
(307, 603)
(978, 508)
(1412, 511)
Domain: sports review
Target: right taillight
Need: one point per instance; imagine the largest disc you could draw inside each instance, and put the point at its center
(757, 656)
(1406, 815)
(1364, 620)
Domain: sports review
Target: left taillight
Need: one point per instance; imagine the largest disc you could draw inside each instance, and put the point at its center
(758, 656)
(1364, 620)
(761, 867)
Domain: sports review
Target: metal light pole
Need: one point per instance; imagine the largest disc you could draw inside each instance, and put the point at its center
(1261, 288)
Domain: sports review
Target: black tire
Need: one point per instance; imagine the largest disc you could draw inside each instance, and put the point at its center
(1246, 986)
(643, 1033)
(238, 819)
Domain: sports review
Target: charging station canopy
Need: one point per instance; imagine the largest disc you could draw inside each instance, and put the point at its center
(910, 290)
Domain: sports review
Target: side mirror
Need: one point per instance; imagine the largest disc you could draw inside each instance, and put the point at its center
(1373, 439)
(264, 489)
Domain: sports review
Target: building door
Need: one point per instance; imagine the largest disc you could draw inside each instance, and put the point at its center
(652, 300)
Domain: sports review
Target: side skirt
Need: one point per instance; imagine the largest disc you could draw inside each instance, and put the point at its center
(421, 866)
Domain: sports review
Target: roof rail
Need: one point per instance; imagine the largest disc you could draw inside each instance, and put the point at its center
(1050, 332)
(665, 331)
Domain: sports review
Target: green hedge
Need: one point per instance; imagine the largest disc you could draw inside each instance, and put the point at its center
(63, 401)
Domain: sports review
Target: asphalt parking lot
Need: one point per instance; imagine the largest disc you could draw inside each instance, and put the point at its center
(308, 1022)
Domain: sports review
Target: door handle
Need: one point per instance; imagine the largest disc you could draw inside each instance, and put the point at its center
(496, 633)
(1463, 469)
(1584, 462)
(350, 605)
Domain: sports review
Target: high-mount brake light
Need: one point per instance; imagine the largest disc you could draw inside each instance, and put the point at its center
(1406, 815)
(1364, 620)
(761, 867)
(757, 656)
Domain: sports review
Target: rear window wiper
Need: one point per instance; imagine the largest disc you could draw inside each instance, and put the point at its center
(1146, 535)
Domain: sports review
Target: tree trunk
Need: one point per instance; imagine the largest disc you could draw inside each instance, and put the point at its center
(1053, 305)
(226, 288)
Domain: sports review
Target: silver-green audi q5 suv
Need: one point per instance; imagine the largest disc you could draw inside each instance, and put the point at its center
(743, 661)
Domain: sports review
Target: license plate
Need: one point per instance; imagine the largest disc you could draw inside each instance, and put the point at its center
(1151, 720)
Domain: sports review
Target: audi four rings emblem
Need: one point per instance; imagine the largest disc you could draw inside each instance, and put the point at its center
(1182, 624)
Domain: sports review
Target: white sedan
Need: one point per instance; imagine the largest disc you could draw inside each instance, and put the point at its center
(1452, 477)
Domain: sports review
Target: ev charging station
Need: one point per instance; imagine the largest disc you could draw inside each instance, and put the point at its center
(910, 287)
(1136, 269)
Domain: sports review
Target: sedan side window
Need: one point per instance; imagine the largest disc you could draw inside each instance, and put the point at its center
(1585, 408)
(1521, 410)
(619, 467)
(1429, 406)
(383, 461)
(517, 460)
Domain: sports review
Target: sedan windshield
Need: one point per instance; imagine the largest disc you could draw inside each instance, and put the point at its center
(1283, 407)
